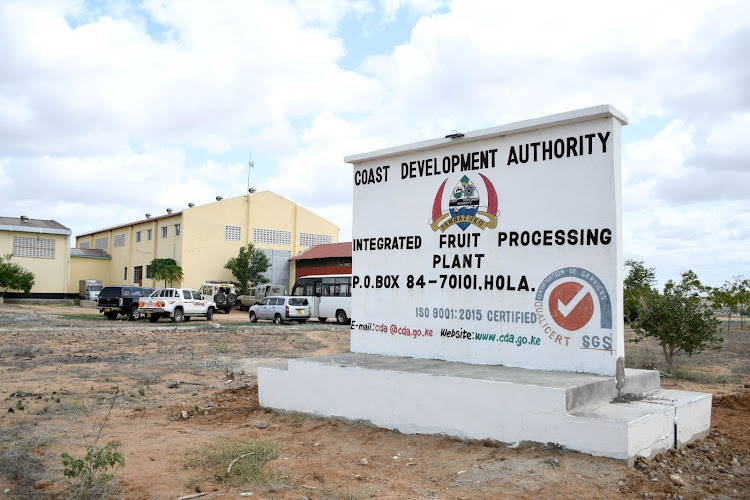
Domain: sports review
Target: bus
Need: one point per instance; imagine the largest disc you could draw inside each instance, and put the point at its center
(330, 296)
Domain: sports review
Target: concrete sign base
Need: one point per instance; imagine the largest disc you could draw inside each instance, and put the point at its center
(504, 404)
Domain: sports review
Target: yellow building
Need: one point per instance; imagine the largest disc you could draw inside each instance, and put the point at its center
(201, 239)
(39, 246)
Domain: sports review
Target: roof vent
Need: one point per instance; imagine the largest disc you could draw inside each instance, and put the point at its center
(191, 204)
(169, 210)
(24, 218)
(148, 216)
(219, 198)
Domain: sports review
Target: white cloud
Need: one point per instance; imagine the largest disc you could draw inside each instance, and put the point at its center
(96, 98)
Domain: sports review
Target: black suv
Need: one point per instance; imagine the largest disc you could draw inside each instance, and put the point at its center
(114, 300)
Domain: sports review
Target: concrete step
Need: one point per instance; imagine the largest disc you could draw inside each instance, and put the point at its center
(579, 389)
(507, 405)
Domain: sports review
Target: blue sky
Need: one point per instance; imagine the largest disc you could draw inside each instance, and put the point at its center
(100, 102)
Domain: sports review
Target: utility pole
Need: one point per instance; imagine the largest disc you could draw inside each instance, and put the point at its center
(250, 165)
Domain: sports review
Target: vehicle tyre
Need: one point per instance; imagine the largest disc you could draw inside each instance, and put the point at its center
(187, 318)
(210, 314)
(253, 317)
(231, 299)
(110, 315)
(220, 299)
(341, 318)
(154, 318)
(134, 314)
(178, 316)
(277, 319)
(322, 320)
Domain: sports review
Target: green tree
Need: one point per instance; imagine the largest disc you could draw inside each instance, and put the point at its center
(743, 298)
(734, 297)
(248, 267)
(167, 270)
(724, 298)
(639, 282)
(13, 276)
(677, 319)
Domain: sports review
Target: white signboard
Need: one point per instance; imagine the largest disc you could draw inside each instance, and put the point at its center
(502, 246)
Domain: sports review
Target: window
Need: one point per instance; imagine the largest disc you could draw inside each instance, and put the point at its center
(125, 273)
(148, 271)
(137, 236)
(119, 240)
(148, 234)
(272, 236)
(85, 244)
(311, 240)
(176, 229)
(137, 274)
(43, 248)
(164, 232)
(232, 233)
(101, 243)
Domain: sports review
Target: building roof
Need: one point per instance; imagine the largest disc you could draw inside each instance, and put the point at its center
(327, 251)
(173, 214)
(94, 253)
(25, 224)
(129, 224)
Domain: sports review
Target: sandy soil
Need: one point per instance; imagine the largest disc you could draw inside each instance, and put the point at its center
(59, 370)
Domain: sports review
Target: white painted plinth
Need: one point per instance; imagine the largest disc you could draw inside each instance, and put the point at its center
(504, 404)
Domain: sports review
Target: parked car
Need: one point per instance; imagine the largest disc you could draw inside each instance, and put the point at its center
(257, 293)
(221, 292)
(178, 304)
(89, 289)
(121, 299)
(280, 309)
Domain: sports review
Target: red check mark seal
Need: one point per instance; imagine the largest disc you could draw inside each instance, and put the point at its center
(571, 305)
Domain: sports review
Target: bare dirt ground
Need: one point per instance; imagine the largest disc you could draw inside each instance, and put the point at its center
(60, 367)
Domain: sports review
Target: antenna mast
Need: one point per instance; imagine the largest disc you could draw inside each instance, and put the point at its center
(250, 164)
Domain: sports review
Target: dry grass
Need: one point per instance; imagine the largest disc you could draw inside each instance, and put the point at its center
(340, 493)
(727, 365)
(18, 461)
(235, 463)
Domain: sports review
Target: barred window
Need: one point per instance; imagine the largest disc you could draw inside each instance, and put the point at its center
(137, 236)
(311, 240)
(176, 229)
(84, 244)
(275, 236)
(164, 231)
(119, 240)
(232, 233)
(101, 243)
(148, 234)
(148, 271)
(33, 247)
(137, 274)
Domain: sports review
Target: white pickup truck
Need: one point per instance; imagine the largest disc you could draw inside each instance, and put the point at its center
(179, 304)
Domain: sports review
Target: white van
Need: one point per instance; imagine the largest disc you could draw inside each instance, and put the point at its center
(257, 293)
(89, 289)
